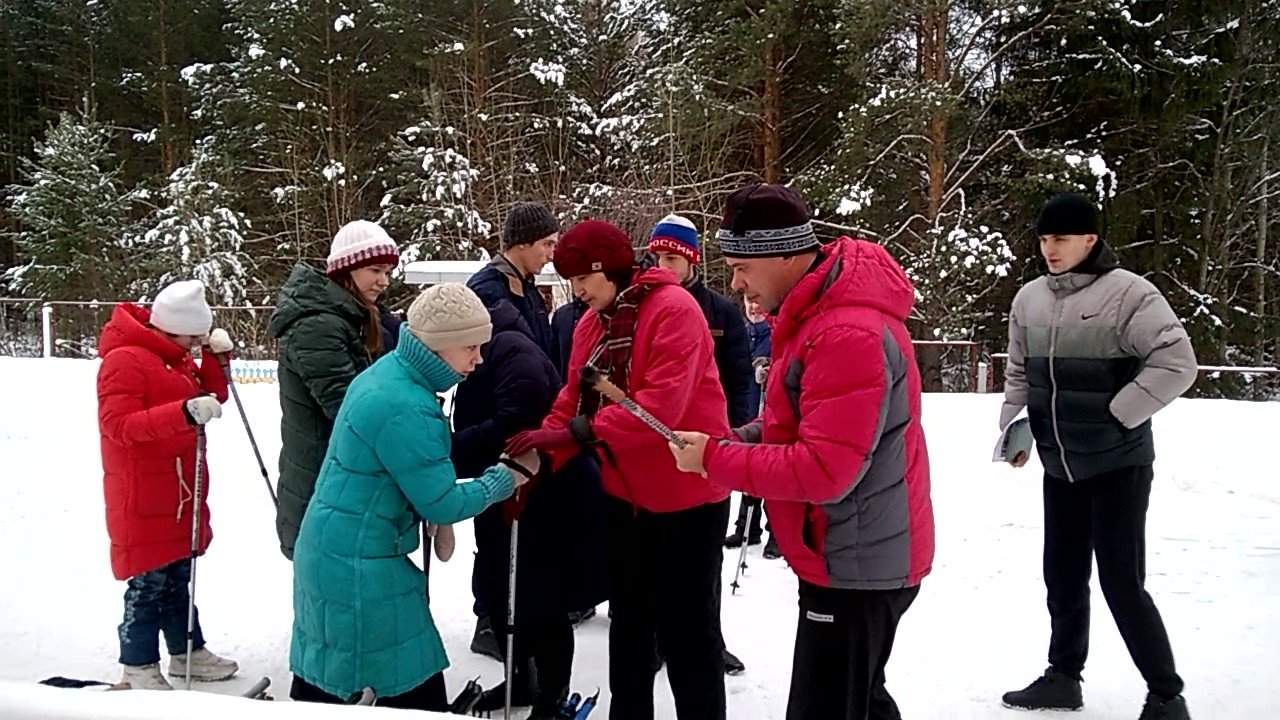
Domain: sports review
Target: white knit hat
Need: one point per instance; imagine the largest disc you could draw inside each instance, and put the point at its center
(358, 244)
(180, 309)
(449, 315)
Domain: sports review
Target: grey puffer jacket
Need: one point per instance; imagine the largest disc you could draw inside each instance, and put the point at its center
(1093, 354)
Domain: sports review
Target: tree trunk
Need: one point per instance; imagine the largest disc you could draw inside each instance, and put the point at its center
(935, 53)
(771, 140)
(1260, 258)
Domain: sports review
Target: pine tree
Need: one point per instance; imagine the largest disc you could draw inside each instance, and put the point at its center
(196, 234)
(72, 213)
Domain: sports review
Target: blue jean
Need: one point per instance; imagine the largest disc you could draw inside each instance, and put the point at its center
(154, 603)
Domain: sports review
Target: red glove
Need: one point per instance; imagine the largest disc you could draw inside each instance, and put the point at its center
(546, 441)
(514, 505)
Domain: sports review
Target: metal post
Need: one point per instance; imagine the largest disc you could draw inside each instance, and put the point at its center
(46, 322)
(984, 370)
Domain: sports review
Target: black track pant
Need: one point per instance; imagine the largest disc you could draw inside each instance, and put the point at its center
(843, 642)
(1103, 517)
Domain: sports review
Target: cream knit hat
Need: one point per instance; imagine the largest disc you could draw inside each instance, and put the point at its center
(180, 309)
(449, 315)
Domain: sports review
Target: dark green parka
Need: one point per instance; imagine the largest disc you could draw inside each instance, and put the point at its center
(319, 327)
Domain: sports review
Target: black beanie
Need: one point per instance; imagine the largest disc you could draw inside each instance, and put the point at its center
(527, 223)
(1068, 214)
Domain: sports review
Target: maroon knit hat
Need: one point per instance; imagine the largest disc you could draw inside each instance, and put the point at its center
(593, 246)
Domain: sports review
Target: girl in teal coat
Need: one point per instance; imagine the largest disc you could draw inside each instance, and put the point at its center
(361, 615)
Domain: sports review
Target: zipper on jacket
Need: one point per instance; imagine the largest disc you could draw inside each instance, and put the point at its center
(1054, 325)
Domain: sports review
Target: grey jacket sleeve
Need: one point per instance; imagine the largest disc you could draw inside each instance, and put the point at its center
(1015, 373)
(1149, 330)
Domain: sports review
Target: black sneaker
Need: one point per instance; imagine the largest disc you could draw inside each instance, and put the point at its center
(1158, 708)
(484, 643)
(732, 665)
(771, 551)
(1052, 691)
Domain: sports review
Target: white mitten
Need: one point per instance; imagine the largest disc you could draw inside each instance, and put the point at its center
(203, 409)
(220, 342)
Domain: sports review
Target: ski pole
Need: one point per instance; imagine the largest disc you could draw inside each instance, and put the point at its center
(511, 615)
(195, 548)
(262, 466)
(742, 554)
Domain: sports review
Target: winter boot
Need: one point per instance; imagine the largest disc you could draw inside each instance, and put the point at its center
(771, 551)
(204, 666)
(1052, 691)
(145, 677)
(577, 617)
(483, 641)
(1157, 708)
(495, 698)
(735, 540)
(732, 665)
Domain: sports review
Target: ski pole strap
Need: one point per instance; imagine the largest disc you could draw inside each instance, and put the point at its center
(516, 467)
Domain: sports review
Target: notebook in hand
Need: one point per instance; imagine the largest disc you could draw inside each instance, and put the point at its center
(1015, 439)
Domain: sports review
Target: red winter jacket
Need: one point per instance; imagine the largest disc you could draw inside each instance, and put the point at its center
(673, 376)
(841, 458)
(148, 448)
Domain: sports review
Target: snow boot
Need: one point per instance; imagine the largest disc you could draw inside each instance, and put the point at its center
(1052, 691)
(495, 698)
(204, 666)
(145, 677)
(483, 641)
(735, 540)
(771, 551)
(1158, 708)
(732, 665)
(577, 617)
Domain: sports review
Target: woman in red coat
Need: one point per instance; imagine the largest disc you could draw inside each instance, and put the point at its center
(664, 526)
(151, 398)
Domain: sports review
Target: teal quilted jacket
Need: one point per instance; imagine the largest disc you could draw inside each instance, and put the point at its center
(360, 609)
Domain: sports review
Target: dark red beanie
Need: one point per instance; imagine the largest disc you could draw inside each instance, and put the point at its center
(593, 246)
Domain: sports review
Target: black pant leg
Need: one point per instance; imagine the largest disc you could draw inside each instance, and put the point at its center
(302, 691)
(1068, 564)
(430, 695)
(688, 607)
(1120, 502)
(632, 628)
(843, 642)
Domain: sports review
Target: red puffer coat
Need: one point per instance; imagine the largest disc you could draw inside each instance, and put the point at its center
(148, 447)
(673, 376)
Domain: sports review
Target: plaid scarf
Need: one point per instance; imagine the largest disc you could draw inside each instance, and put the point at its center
(613, 353)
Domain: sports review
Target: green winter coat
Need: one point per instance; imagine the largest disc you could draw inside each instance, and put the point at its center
(318, 327)
(360, 608)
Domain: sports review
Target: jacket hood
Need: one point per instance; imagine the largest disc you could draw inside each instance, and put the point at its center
(309, 292)
(1099, 261)
(854, 273)
(128, 328)
(505, 317)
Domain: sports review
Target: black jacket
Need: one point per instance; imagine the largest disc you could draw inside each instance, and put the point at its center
(561, 535)
(563, 322)
(499, 281)
(732, 349)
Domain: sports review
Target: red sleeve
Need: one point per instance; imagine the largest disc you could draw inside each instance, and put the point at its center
(122, 417)
(679, 347)
(213, 378)
(843, 402)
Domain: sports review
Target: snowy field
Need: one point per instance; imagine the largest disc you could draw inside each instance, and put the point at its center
(978, 628)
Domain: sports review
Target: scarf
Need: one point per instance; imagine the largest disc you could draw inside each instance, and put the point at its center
(613, 353)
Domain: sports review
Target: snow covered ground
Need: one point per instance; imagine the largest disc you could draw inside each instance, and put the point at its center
(978, 628)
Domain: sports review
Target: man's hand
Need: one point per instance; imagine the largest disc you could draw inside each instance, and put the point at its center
(761, 365)
(689, 458)
(1019, 460)
(219, 342)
